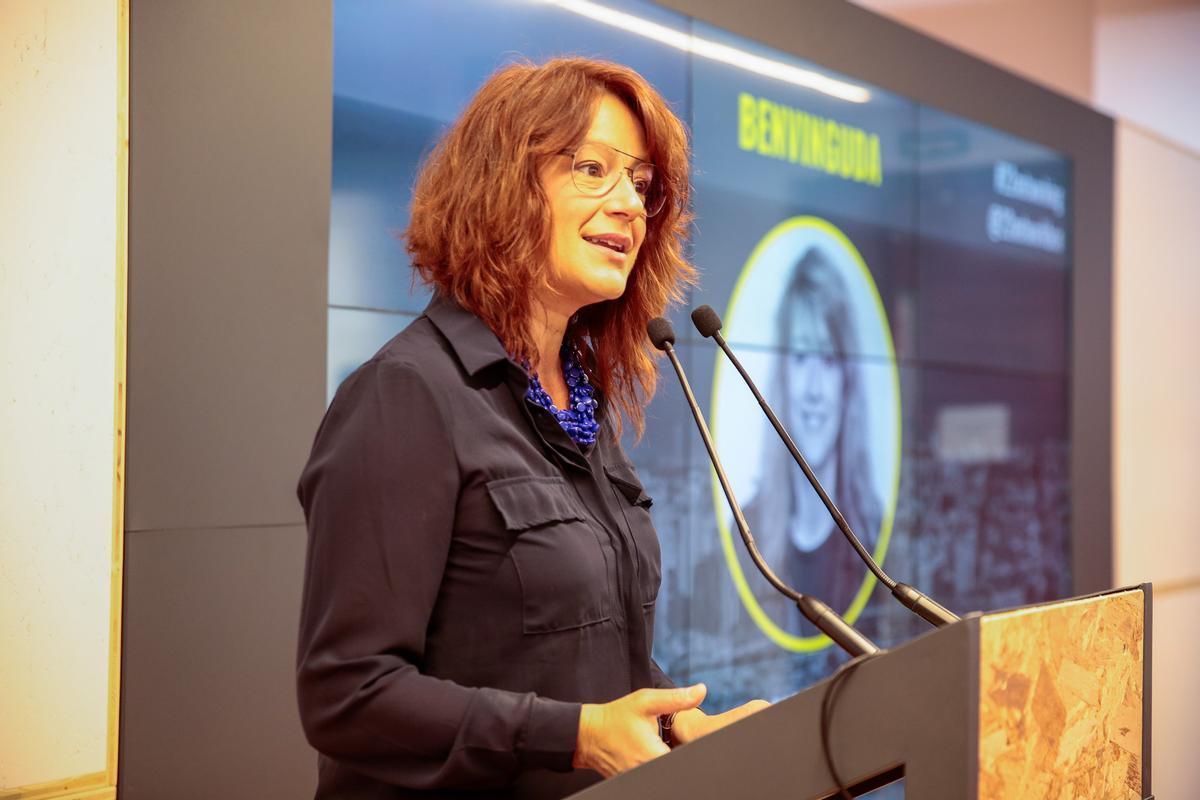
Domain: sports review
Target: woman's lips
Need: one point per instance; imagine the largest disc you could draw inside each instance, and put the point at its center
(813, 419)
(615, 242)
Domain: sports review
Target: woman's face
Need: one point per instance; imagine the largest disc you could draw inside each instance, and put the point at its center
(815, 387)
(594, 241)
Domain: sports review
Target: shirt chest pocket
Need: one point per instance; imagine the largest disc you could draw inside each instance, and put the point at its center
(556, 551)
(635, 505)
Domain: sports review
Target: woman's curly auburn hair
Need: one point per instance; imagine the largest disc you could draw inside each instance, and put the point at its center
(480, 227)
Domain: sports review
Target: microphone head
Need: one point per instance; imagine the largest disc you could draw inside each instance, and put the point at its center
(661, 332)
(706, 321)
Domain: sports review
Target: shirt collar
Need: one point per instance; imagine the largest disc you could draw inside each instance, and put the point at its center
(474, 343)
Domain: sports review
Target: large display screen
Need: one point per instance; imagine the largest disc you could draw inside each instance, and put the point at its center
(895, 277)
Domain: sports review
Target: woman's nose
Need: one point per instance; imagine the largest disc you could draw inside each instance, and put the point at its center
(811, 379)
(623, 197)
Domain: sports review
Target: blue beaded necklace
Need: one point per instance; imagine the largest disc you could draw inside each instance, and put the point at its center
(579, 421)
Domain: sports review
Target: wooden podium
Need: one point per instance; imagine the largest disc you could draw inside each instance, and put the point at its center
(1049, 701)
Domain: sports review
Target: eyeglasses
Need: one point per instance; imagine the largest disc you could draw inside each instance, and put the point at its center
(596, 168)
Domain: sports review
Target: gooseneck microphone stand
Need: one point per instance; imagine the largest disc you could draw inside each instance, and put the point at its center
(818, 613)
(709, 325)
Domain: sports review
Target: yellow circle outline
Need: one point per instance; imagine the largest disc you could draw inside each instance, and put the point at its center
(790, 641)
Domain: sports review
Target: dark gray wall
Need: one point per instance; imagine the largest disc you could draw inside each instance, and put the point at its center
(230, 127)
(230, 131)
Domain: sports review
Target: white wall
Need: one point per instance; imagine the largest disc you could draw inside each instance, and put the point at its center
(1147, 67)
(1045, 41)
(58, 291)
(1157, 428)
(1147, 71)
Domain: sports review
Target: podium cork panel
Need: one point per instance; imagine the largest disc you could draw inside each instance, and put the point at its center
(1061, 699)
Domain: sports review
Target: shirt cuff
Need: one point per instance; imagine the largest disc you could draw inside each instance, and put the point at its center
(551, 734)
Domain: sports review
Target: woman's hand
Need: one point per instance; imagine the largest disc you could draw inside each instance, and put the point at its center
(617, 736)
(691, 725)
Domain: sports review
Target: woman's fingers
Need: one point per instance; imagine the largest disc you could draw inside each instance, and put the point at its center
(746, 709)
(741, 712)
(656, 702)
(694, 726)
(618, 736)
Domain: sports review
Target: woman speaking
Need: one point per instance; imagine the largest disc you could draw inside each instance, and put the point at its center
(478, 607)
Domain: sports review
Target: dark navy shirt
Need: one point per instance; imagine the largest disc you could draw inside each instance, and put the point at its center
(473, 576)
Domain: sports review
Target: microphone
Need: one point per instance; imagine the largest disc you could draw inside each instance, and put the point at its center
(826, 620)
(709, 325)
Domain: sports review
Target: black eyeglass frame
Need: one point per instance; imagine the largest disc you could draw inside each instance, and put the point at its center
(656, 197)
